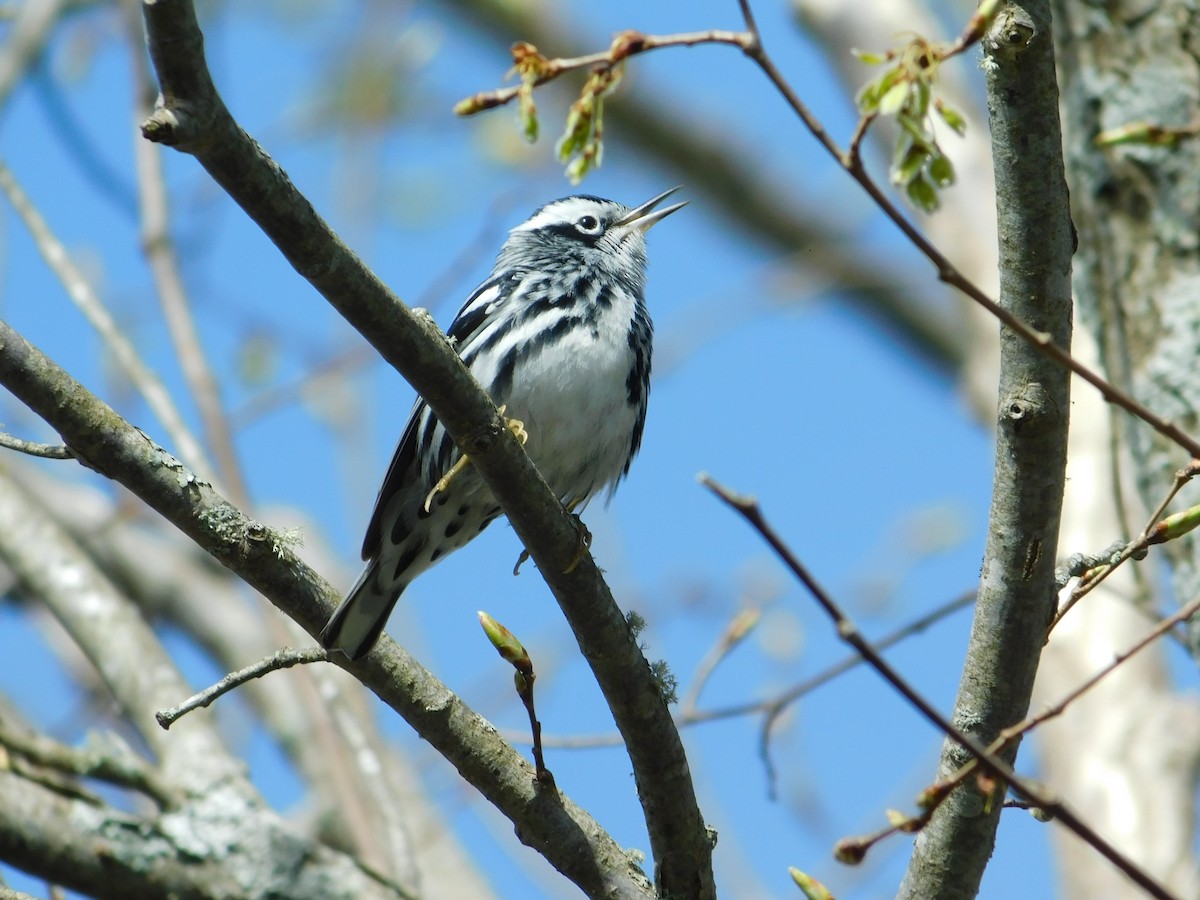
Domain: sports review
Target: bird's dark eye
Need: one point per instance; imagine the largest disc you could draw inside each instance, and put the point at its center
(588, 224)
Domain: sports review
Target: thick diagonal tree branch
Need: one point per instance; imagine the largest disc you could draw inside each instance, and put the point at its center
(192, 118)
(545, 820)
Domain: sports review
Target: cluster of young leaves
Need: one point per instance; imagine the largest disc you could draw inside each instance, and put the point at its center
(582, 145)
(530, 65)
(905, 91)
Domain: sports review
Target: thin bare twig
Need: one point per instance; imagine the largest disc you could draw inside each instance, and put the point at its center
(107, 759)
(1165, 625)
(773, 706)
(734, 633)
(848, 632)
(159, 249)
(281, 659)
(1115, 557)
(1013, 732)
(85, 299)
(32, 448)
(778, 706)
(946, 271)
(625, 44)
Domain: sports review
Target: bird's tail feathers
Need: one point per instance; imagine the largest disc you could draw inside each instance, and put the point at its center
(356, 624)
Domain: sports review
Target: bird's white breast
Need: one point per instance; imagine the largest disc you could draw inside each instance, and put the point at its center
(574, 401)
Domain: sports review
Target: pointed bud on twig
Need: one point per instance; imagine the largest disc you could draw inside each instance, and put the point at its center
(933, 795)
(850, 851)
(1174, 525)
(510, 649)
(812, 889)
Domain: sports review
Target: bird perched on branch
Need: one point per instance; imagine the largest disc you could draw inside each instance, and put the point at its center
(559, 336)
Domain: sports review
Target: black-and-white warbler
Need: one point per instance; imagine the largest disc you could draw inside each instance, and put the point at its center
(560, 337)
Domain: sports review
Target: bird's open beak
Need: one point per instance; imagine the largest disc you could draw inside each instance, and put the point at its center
(643, 217)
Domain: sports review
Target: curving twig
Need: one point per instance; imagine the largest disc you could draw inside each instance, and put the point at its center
(748, 508)
(625, 44)
(773, 706)
(84, 297)
(280, 659)
(159, 250)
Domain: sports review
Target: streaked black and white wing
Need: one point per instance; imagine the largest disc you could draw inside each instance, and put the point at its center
(425, 452)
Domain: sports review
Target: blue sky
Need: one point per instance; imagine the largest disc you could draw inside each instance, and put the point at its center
(862, 456)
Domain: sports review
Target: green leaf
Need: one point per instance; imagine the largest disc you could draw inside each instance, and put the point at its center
(941, 170)
(904, 146)
(911, 165)
(577, 168)
(870, 58)
(922, 195)
(527, 113)
(867, 100)
(919, 108)
(573, 138)
(952, 117)
(917, 130)
(895, 99)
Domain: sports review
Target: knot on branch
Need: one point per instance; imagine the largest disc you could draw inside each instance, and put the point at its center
(1012, 31)
(175, 126)
(482, 440)
(626, 44)
(1028, 409)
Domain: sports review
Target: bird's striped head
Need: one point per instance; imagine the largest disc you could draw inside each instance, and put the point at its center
(589, 234)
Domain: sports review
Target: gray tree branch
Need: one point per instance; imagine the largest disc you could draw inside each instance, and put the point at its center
(546, 820)
(1136, 276)
(92, 847)
(1017, 593)
(209, 833)
(115, 639)
(369, 797)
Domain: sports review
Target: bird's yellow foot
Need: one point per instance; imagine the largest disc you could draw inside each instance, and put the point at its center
(444, 481)
(516, 426)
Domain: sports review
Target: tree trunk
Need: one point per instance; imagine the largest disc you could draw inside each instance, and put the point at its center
(1126, 755)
